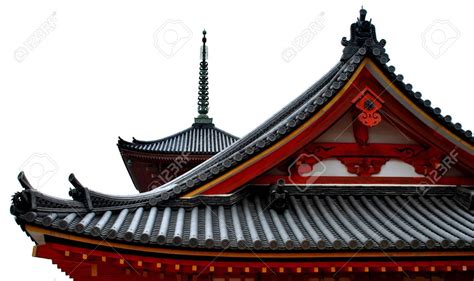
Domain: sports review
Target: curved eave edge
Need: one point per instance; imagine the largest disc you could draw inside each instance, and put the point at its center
(157, 153)
(135, 141)
(39, 233)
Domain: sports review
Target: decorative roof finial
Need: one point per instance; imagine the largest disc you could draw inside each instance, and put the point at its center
(363, 13)
(203, 98)
(363, 36)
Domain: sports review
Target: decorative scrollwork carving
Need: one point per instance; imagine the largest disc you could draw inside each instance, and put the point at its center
(363, 166)
(368, 103)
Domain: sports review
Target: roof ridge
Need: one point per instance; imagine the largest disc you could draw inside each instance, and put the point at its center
(135, 141)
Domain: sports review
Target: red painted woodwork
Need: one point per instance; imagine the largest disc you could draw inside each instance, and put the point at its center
(271, 160)
(87, 264)
(151, 171)
(395, 112)
(369, 103)
(436, 145)
(366, 160)
(363, 166)
(355, 180)
(360, 131)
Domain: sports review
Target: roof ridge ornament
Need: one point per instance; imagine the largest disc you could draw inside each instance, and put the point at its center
(203, 97)
(24, 181)
(22, 201)
(79, 192)
(278, 196)
(363, 36)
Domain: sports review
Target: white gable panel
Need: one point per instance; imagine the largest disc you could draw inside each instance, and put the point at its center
(385, 132)
(341, 131)
(329, 168)
(397, 168)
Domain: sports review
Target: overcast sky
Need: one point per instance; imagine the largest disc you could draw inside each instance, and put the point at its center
(74, 77)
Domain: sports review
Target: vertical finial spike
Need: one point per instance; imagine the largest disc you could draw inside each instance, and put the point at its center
(204, 47)
(363, 13)
(203, 98)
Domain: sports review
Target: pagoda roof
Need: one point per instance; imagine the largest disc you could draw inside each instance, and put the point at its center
(198, 139)
(201, 138)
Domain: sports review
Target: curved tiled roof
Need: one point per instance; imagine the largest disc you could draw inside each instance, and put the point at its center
(318, 218)
(303, 108)
(198, 139)
(317, 222)
(283, 123)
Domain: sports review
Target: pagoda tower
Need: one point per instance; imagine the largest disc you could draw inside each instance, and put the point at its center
(153, 163)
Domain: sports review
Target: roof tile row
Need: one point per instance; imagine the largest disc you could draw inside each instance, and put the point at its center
(317, 222)
(197, 139)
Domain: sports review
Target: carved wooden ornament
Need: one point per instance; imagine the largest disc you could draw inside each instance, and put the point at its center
(368, 103)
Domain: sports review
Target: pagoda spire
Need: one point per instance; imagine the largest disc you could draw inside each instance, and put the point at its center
(203, 95)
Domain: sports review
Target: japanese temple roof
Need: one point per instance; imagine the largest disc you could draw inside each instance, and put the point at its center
(320, 217)
(361, 46)
(335, 218)
(198, 139)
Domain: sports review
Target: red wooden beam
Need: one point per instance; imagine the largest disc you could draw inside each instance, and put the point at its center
(432, 138)
(87, 264)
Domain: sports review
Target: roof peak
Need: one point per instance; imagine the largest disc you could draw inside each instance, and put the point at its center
(203, 95)
(362, 35)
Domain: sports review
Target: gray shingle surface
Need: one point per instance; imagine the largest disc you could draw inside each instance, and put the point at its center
(196, 139)
(310, 223)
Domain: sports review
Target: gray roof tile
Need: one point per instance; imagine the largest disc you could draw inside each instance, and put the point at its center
(198, 139)
(310, 223)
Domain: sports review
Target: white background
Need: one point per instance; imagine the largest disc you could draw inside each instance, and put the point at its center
(99, 74)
